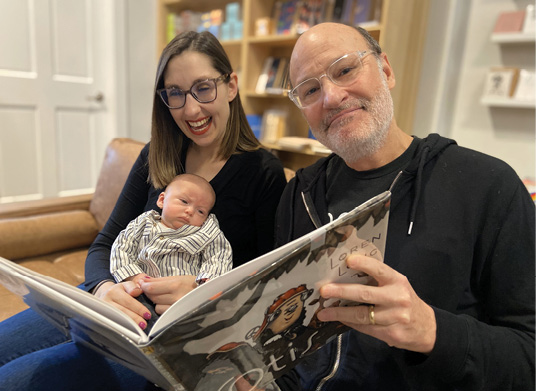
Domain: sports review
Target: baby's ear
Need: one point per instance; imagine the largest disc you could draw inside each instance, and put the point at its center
(160, 200)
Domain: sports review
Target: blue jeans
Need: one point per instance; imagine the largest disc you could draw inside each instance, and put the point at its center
(35, 356)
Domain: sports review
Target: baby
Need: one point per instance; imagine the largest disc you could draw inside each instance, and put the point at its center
(184, 240)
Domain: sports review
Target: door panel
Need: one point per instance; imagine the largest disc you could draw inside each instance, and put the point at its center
(51, 69)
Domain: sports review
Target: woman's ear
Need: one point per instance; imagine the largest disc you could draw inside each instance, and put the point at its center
(232, 87)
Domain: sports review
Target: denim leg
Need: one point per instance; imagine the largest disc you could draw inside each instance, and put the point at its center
(69, 366)
(27, 332)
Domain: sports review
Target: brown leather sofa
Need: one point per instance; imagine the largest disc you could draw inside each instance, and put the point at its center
(52, 236)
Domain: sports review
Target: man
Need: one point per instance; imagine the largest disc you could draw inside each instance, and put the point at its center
(454, 304)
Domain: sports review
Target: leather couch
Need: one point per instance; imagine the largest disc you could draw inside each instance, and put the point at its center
(52, 236)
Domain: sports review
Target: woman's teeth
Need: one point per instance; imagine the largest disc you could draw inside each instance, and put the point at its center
(199, 124)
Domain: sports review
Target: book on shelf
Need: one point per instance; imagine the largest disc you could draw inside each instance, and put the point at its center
(248, 326)
(303, 144)
(260, 88)
(501, 82)
(510, 22)
(278, 84)
(285, 16)
(274, 125)
(525, 89)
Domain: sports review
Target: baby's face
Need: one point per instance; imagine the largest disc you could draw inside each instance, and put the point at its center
(185, 202)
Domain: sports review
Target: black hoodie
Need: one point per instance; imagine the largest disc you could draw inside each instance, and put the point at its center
(461, 229)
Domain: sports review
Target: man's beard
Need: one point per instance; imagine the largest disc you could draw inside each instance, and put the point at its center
(368, 136)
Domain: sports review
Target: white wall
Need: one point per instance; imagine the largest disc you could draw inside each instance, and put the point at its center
(141, 62)
(458, 55)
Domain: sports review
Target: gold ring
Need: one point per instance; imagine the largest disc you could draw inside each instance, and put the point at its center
(371, 314)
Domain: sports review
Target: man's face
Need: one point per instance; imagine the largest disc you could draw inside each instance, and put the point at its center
(353, 120)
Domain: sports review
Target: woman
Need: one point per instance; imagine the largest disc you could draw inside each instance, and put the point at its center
(198, 127)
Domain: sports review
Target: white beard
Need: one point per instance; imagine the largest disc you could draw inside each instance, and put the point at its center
(368, 136)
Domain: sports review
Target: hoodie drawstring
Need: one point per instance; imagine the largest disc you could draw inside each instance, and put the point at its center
(418, 185)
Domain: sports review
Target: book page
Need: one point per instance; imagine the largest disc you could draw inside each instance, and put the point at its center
(258, 328)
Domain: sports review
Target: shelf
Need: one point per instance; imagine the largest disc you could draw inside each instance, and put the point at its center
(303, 151)
(513, 38)
(508, 103)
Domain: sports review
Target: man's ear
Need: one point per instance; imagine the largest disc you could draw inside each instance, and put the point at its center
(388, 71)
(232, 87)
(160, 200)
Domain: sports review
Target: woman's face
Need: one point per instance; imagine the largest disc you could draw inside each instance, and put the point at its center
(203, 123)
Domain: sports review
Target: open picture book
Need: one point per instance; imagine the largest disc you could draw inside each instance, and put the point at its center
(236, 332)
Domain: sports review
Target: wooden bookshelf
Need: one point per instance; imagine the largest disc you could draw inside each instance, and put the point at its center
(400, 31)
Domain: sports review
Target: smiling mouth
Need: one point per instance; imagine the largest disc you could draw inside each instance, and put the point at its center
(201, 126)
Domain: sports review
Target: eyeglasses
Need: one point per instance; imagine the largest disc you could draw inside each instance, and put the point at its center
(204, 91)
(342, 72)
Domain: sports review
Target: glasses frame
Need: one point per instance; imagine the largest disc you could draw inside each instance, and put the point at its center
(291, 93)
(215, 80)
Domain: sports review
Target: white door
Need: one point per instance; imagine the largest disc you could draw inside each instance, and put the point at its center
(55, 96)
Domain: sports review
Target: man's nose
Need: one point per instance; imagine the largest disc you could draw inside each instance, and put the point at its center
(332, 94)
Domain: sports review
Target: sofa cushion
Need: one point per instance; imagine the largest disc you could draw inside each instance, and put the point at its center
(35, 235)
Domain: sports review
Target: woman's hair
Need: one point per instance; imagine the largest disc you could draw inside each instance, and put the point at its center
(168, 141)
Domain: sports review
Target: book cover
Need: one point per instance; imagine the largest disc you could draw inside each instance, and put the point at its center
(510, 22)
(246, 327)
(286, 16)
(260, 88)
(277, 87)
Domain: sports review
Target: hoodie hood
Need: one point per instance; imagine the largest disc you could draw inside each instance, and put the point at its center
(427, 150)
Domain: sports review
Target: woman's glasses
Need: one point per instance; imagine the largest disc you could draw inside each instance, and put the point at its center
(204, 91)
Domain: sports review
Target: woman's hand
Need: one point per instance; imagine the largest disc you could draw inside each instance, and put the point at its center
(122, 296)
(164, 291)
(398, 316)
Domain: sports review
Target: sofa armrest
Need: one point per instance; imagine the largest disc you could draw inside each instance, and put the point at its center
(28, 236)
(47, 205)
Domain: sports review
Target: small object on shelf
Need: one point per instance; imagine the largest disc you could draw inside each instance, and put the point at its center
(263, 26)
(525, 89)
(264, 76)
(274, 124)
(530, 20)
(501, 82)
(510, 22)
(302, 144)
(255, 122)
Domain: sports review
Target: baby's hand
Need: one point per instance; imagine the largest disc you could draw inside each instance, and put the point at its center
(138, 278)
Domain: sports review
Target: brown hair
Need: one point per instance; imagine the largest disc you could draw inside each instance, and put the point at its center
(168, 142)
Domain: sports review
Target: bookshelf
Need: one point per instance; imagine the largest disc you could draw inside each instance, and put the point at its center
(400, 30)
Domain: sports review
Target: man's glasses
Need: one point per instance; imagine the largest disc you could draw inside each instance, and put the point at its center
(204, 91)
(342, 72)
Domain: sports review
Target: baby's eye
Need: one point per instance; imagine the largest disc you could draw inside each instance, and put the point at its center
(201, 212)
(183, 201)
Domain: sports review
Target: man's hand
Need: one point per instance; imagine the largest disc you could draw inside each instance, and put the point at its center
(164, 291)
(122, 296)
(401, 318)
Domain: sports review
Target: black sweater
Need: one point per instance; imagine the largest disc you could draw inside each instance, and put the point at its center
(470, 256)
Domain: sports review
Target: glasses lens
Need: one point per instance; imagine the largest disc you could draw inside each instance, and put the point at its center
(173, 97)
(204, 91)
(344, 71)
(307, 92)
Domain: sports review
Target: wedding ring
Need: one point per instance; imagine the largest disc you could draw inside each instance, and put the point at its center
(371, 314)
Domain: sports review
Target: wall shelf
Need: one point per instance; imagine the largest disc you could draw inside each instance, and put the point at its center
(513, 38)
(508, 102)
